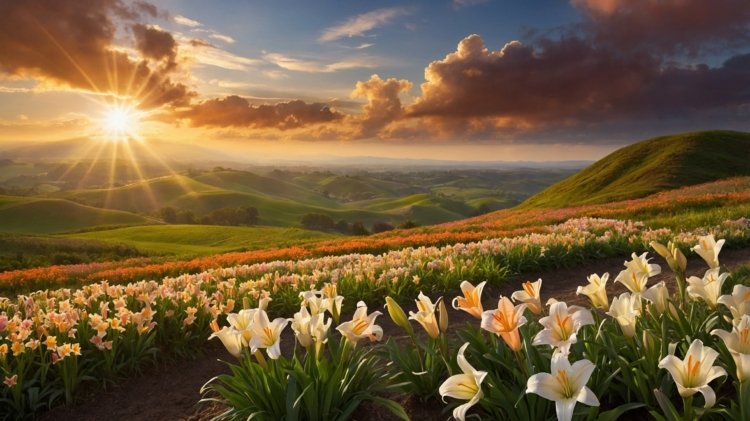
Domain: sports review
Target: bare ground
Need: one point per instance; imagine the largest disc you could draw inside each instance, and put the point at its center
(171, 392)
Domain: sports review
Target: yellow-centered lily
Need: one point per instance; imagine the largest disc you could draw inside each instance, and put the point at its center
(232, 340)
(562, 325)
(465, 386)
(425, 315)
(738, 302)
(361, 326)
(267, 334)
(707, 288)
(471, 302)
(693, 373)
(625, 309)
(708, 248)
(641, 267)
(301, 327)
(633, 281)
(566, 385)
(529, 295)
(658, 295)
(596, 290)
(738, 344)
(505, 321)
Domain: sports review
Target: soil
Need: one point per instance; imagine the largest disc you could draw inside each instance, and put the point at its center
(172, 391)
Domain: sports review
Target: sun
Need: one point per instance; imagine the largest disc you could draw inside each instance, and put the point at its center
(120, 123)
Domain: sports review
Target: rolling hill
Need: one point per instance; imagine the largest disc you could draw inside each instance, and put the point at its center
(651, 166)
(47, 216)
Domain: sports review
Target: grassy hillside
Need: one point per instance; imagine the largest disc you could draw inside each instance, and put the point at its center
(651, 166)
(46, 216)
(199, 240)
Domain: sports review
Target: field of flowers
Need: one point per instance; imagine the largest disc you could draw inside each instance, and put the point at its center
(692, 207)
(51, 341)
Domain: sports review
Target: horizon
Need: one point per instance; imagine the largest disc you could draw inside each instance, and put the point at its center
(455, 80)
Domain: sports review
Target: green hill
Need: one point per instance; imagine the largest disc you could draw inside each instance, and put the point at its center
(46, 216)
(197, 240)
(650, 166)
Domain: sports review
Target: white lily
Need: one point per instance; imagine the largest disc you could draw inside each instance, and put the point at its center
(738, 302)
(465, 386)
(693, 373)
(566, 385)
(267, 334)
(425, 315)
(530, 295)
(242, 323)
(232, 340)
(562, 325)
(301, 327)
(596, 290)
(361, 326)
(505, 322)
(658, 295)
(471, 302)
(641, 267)
(738, 344)
(708, 288)
(708, 248)
(313, 300)
(626, 309)
(319, 328)
(633, 281)
(331, 299)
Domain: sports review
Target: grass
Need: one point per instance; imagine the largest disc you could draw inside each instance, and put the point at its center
(48, 216)
(186, 241)
(650, 166)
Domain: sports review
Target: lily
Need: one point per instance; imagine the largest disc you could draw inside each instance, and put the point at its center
(425, 315)
(505, 322)
(596, 290)
(471, 302)
(708, 288)
(464, 386)
(693, 373)
(658, 295)
(361, 326)
(529, 295)
(267, 334)
(738, 302)
(566, 385)
(562, 325)
(708, 248)
(301, 327)
(242, 323)
(738, 343)
(232, 340)
(672, 254)
(625, 309)
(633, 281)
(332, 300)
(641, 267)
(313, 300)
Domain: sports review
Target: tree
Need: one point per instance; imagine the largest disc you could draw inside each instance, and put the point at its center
(343, 227)
(186, 216)
(317, 221)
(380, 226)
(408, 224)
(168, 214)
(358, 228)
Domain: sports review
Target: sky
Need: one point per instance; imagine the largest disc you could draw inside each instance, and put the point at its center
(443, 79)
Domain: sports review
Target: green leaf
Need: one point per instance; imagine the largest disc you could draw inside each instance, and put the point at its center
(616, 413)
(670, 412)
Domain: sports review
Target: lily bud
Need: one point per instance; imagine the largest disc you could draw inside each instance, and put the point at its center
(246, 303)
(397, 314)
(443, 313)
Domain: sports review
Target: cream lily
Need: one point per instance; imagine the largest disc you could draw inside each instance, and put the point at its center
(425, 315)
(693, 373)
(301, 327)
(562, 325)
(471, 302)
(672, 254)
(633, 281)
(465, 386)
(314, 302)
(566, 385)
(738, 302)
(658, 295)
(232, 340)
(361, 326)
(267, 334)
(708, 288)
(505, 321)
(332, 300)
(625, 309)
(641, 267)
(242, 323)
(738, 343)
(708, 248)
(530, 295)
(596, 290)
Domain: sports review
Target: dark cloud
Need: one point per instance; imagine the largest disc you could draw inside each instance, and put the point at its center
(70, 43)
(235, 111)
(667, 26)
(155, 44)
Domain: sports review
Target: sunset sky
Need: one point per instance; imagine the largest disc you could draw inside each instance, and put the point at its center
(462, 79)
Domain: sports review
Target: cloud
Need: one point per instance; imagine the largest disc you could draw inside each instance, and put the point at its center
(224, 38)
(314, 66)
(460, 4)
(70, 44)
(668, 26)
(359, 25)
(155, 44)
(383, 103)
(182, 20)
(203, 53)
(235, 111)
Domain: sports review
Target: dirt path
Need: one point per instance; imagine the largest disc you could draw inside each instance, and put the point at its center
(171, 392)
